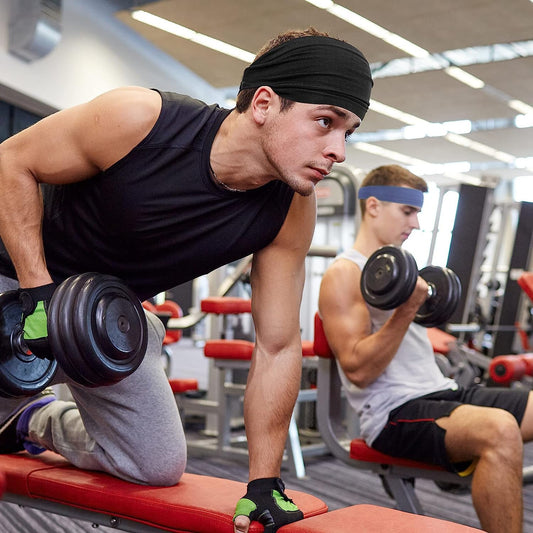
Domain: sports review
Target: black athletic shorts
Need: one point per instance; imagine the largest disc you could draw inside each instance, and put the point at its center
(411, 431)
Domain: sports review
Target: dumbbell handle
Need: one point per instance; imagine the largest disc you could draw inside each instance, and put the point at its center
(17, 343)
(431, 290)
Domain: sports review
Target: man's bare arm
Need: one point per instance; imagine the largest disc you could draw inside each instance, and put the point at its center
(363, 355)
(277, 282)
(68, 146)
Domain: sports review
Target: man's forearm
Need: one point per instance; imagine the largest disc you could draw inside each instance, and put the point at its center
(20, 228)
(271, 393)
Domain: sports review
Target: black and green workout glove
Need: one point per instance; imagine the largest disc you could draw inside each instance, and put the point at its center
(266, 502)
(34, 303)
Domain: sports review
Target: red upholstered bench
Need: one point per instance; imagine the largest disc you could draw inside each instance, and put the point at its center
(229, 349)
(226, 305)
(238, 349)
(373, 519)
(180, 386)
(166, 311)
(201, 504)
(197, 503)
(361, 451)
(395, 473)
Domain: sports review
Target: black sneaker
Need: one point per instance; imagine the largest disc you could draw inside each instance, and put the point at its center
(10, 442)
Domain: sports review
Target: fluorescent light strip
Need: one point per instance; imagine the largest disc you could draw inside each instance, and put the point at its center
(421, 166)
(370, 27)
(524, 121)
(390, 154)
(463, 76)
(481, 148)
(392, 38)
(520, 106)
(392, 112)
(186, 33)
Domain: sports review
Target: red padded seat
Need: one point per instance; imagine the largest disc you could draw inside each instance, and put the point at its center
(226, 305)
(229, 349)
(308, 348)
(360, 451)
(373, 519)
(181, 385)
(168, 306)
(320, 343)
(242, 349)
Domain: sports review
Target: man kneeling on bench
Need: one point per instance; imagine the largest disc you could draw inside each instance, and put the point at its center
(407, 408)
(157, 189)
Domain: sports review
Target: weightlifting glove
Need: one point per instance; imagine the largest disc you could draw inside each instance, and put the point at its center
(266, 502)
(34, 303)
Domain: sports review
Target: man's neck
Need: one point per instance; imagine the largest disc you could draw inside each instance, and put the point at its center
(366, 241)
(237, 159)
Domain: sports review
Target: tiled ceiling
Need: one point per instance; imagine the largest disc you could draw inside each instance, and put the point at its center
(436, 26)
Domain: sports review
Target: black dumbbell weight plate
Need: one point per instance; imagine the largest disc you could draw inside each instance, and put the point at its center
(21, 372)
(388, 277)
(101, 329)
(446, 292)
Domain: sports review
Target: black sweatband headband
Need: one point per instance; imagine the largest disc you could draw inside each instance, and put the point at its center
(314, 70)
(388, 193)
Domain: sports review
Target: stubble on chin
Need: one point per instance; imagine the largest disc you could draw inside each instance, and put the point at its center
(299, 186)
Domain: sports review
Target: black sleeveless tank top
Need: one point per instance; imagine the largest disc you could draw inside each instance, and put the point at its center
(156, 218)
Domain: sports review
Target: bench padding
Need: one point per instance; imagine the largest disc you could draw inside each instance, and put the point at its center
(360, 451)
(201, 504)
(197, 503)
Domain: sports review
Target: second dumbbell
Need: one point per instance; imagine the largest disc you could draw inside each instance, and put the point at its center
(389, 278)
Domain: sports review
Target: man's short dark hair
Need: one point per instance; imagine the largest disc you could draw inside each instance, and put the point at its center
(244, 98)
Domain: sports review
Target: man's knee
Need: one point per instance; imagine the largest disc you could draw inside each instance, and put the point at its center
(502, 434)
(162, 461)
(165, 473)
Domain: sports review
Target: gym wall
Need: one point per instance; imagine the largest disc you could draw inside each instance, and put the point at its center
(94, 54)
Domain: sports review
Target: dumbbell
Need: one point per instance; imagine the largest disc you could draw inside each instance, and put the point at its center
(97, 334)
(389, 278)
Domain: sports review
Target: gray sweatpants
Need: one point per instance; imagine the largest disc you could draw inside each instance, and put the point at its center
(131, 430)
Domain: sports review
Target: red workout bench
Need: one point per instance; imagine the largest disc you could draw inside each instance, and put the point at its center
(201, 504)
(396, 473)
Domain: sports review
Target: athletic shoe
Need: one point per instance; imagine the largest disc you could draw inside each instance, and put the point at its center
(14, 429)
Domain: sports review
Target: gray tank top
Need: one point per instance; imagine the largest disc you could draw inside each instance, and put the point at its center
(412, 372)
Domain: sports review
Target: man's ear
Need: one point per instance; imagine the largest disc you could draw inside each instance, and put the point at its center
(263, 101)
(372, 206)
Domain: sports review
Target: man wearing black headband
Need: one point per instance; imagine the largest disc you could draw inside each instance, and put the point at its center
(406, 407)
(158, 189)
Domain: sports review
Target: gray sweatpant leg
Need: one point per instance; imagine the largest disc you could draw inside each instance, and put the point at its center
(131, 430)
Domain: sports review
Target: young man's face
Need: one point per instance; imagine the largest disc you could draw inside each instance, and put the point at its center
(302, 143)
(396, 222)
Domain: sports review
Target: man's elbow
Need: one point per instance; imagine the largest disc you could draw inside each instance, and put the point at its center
(359, 377)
